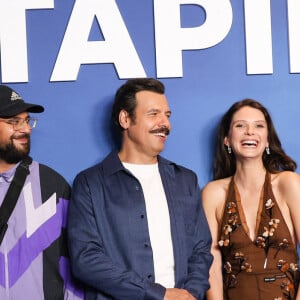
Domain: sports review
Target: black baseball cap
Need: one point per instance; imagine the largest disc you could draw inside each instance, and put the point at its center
(11, 103)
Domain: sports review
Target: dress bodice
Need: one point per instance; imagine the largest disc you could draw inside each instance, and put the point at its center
(263, 268)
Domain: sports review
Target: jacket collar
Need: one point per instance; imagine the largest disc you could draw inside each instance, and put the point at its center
(112, 164)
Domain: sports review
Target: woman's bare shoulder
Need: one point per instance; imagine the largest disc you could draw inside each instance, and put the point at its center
(216, 187)
(286, 179)
(214, 197)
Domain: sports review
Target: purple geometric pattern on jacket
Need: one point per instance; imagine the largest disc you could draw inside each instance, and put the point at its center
(27, 249)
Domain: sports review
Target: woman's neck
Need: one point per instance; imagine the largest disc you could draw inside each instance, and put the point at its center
(249, 174)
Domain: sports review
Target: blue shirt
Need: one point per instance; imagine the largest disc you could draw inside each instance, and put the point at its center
(109, 240)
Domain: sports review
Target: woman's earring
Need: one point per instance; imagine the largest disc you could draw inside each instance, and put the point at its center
(268, 150)
(229, 149)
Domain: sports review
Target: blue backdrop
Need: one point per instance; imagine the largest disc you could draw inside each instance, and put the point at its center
(71, 56)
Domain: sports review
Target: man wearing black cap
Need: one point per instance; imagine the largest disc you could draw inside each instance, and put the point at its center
(33, 254)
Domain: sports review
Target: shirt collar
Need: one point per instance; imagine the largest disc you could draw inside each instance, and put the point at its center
(112, 164)
(8, 175)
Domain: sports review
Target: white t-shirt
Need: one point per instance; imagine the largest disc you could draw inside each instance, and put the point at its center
(158, 221)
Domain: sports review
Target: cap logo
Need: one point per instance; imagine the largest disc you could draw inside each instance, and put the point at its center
(14, 96)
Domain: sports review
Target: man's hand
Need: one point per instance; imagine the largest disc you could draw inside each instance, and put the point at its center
(178, 294)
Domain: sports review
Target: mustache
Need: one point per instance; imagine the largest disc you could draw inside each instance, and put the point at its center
(21, 136)
(162, 129)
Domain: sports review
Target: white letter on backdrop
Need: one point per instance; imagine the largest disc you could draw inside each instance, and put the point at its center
(13, 37)
(258, 36)
(294, 35)
(171, 39)
(117, 47)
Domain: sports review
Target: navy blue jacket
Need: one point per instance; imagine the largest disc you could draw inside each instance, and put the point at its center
(109, 240)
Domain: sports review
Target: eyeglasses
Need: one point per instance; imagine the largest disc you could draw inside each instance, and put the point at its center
(18, 123)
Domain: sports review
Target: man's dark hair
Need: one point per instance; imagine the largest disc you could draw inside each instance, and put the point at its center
(125, 96)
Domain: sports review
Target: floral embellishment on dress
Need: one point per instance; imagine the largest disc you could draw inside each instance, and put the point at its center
(269, 204)
(281, 246)
(232, 278)
(274, 223)
(227, 267)
(224, 243)
(233, 223)
(268, 232)
(287, 285)
(227, 229)
(244, 266)
(263, 240)
(231, 208)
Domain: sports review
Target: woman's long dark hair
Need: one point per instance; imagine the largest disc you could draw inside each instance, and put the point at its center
(225, 164)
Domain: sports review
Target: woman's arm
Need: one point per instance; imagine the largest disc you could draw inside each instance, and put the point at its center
(213, 198)
(289, 189)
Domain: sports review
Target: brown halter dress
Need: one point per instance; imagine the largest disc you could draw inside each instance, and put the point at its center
(266, 268)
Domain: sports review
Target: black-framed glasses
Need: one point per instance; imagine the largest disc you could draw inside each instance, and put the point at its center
(18, 123)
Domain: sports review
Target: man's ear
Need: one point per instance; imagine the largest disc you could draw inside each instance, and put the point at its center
(124, 119)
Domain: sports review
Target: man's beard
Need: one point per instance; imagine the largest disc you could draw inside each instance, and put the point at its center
(11, 154)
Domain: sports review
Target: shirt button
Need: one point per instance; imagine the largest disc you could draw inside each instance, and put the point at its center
(146, 245)
(142, 216)
(149, 276)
